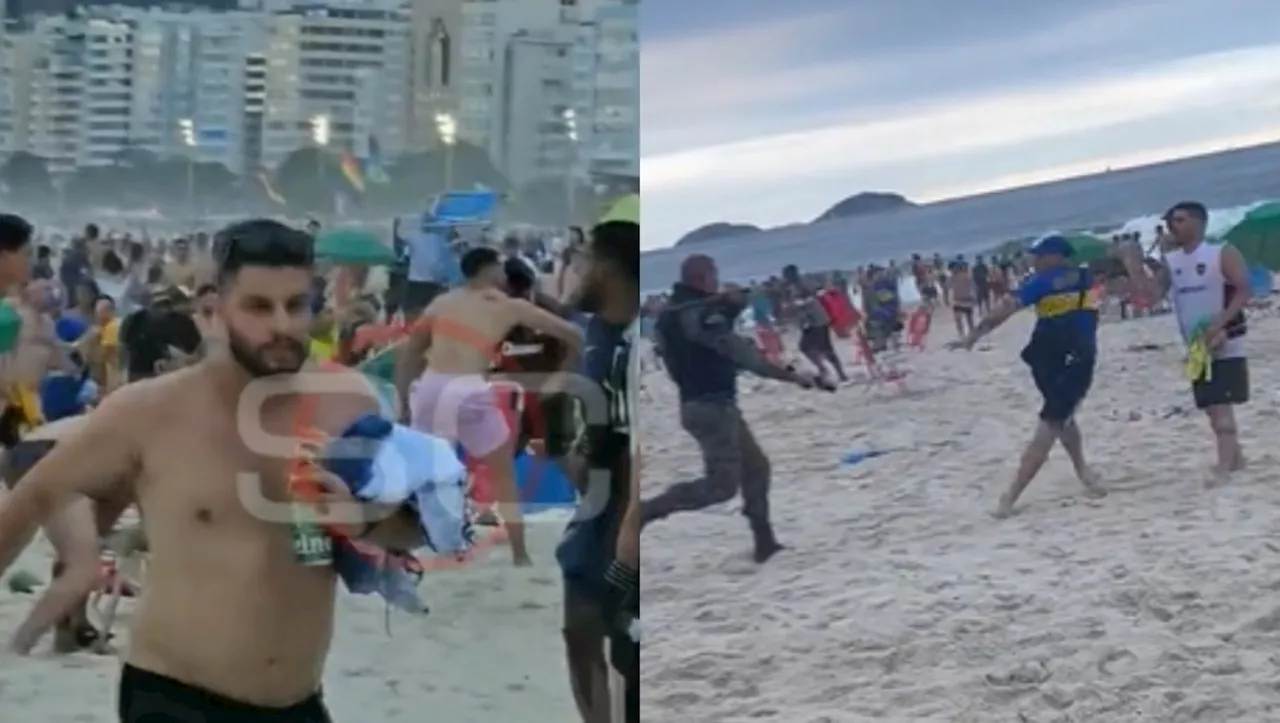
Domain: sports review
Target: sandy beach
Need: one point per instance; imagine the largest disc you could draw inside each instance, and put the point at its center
(902, 599)
(490, 650)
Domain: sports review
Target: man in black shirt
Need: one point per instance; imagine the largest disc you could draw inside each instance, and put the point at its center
(600, 552)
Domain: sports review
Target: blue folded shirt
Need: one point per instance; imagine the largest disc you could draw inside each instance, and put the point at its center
(387, 463)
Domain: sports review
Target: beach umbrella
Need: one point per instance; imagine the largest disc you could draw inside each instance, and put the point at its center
(626, 208)
(1087, 248)
(354, 247)
(1258, 236)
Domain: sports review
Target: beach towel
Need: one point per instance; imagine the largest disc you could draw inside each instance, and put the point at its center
(386, 463)
(1199, 364)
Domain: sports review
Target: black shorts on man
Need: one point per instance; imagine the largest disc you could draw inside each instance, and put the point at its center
(147, 697)
(1228, 383)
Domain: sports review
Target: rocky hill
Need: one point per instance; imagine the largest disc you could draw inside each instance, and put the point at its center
(860, 204)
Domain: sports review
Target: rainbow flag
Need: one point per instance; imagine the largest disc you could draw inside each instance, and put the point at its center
(351, 171)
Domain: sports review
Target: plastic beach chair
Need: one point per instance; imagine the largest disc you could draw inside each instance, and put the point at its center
(918, 327)
(124, 568)
(878, 372)
(770, 344)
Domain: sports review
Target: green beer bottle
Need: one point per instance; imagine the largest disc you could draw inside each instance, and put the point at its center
(311, 544)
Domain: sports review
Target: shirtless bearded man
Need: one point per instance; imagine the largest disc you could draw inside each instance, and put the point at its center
(457, 340)
(231, 627)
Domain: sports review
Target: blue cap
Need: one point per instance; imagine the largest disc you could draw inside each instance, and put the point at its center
(1054, 245)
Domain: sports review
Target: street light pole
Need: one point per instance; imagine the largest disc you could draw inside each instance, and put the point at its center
(447, 129)
(187, 129)
(320, 136)
(571, 179)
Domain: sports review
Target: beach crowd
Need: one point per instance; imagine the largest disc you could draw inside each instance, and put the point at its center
(123, 354)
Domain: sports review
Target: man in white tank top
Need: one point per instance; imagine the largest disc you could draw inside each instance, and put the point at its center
(1208, 286)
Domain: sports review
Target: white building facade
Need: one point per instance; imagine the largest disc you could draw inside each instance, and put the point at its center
(317, 59)
(550, 88)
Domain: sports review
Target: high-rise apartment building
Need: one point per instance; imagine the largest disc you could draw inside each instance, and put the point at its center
(537, 139)
(317, 57)
(612, 142)
(549, 88)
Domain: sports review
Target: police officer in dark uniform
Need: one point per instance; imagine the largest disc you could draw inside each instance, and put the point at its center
(703, 354)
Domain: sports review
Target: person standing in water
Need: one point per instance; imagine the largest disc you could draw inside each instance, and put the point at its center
(1062, 353)
(1210, 290)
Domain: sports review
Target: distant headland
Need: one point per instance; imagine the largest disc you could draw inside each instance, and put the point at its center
(861, 204)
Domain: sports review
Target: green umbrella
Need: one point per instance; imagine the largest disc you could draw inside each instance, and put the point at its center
(381, 366)
(1257, 236)
(626, 208)
(1087, 248)
(354, 247)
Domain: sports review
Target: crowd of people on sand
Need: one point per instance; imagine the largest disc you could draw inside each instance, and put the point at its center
(962, 288)
(698, 344)
(122, 360)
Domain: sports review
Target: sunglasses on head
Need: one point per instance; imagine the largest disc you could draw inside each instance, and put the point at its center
(249, 241)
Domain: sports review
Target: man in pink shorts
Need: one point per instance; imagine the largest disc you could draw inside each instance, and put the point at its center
(442, 373)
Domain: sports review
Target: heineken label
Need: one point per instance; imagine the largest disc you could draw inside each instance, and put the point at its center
(311, 544)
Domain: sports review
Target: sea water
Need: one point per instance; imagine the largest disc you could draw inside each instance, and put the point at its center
(1220, 221)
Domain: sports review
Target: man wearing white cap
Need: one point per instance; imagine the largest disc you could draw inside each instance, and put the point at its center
(1061, 354)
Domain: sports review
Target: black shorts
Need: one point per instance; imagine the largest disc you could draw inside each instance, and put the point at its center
(21, 457)
(816, 340)
(1063, 389)
(962, 309)
(929, 292)
(1228, 384)
(147, 697)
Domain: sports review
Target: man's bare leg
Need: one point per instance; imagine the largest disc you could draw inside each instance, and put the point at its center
(585, 636)
(73, 535)
(1222, 420)
(1033, 458)
(1069, 436)
(502, 474)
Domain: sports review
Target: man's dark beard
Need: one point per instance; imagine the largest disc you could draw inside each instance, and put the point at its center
(590, 300)
(250, 359)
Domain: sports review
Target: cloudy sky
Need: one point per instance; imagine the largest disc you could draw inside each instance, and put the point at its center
(769, 111)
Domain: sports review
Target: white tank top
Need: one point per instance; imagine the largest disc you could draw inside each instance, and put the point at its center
(1200, 292)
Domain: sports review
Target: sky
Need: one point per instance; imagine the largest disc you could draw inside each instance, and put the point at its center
(768, 112)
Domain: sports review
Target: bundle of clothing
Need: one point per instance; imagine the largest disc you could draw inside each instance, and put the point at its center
(386, 463)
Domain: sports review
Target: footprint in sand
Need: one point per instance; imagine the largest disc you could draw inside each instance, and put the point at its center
(1029, 673)
(1117, 662)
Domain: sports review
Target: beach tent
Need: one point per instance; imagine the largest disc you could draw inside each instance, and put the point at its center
(626, 208)
(542, 483)
(1088, 248)
(1258, 236)
(460, 208)
(354, 247)
(1261, 281)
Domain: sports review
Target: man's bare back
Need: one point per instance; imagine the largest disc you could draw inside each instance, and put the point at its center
(445, 391)
(466, 326)
(226, 607)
